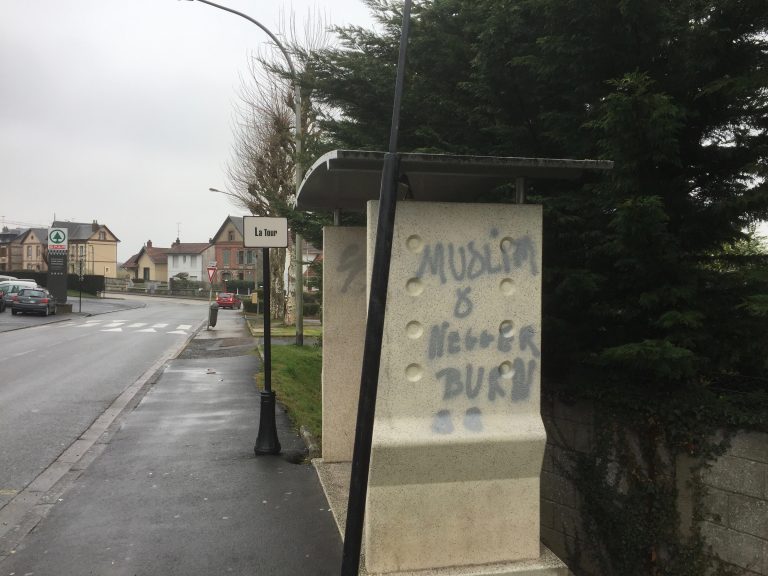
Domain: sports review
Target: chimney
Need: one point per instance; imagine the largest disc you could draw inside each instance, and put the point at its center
(149, 243)
(95, 226)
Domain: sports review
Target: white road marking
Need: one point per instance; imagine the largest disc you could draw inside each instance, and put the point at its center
(177, 332)
(147, 330)
(159, 325)
(183, 326)
(137, 325)
(112, 330)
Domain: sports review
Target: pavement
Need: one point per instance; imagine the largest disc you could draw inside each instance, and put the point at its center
(167, 482)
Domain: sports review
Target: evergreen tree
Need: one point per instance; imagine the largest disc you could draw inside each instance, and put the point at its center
(652, 309)
(675, 93)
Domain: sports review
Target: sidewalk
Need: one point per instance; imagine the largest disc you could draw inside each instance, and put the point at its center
(174, 487)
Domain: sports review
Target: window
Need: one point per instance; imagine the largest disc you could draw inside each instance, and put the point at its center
(184, 258)
(231, 236)
(81, 249)
(249, 257)
(192, 261)
(146, 273)
(37, 251)
(102, 235)
(225, 256)
(29, 251)
(240, 257)
(175, 261)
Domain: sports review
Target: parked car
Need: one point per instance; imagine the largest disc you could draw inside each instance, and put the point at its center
(2, 303)
(228, 300)
(10, 287)
(37, 300)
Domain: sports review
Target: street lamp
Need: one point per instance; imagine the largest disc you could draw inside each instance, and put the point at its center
(298, 172)
(267, 441)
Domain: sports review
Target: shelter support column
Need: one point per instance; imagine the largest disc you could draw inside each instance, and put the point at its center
(458, 438)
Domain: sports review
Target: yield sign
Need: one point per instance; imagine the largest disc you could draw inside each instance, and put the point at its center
(211, 273)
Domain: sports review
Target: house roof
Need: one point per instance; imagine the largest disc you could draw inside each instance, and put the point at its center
(236, 220)
(81, 231)
(157, 255)
(188, 247)
(132, 262)
(41, 233)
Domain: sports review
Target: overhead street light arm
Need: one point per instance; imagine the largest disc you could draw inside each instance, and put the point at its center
(260, 25)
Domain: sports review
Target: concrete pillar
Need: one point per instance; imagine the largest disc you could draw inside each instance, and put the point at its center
(344, 312)
(458, 437)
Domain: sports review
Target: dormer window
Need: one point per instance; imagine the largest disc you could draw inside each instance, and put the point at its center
(102, 235)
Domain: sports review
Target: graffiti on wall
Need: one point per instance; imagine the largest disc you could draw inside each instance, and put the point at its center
(452, 345)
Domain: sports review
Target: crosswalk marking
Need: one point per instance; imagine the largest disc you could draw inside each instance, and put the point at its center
(124, 327)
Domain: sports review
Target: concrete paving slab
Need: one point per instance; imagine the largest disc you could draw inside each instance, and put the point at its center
(178, 490)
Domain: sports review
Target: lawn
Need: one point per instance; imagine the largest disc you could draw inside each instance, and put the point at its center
(296, 381)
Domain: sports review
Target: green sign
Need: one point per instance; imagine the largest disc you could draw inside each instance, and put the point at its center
(57, 238)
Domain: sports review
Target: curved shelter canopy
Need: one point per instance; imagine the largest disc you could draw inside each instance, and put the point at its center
(347, 179)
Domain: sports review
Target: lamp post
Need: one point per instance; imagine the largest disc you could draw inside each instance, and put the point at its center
(298, 173)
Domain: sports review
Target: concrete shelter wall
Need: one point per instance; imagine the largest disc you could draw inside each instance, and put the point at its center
(344, 313)
(458, 438)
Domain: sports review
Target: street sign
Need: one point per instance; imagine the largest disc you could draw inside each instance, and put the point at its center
(57, 239)
(263, 232)
(211, 273)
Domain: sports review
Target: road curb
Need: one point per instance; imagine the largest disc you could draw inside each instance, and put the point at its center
(22, 513)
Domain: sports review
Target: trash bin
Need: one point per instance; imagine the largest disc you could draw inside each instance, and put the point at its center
(213, 314)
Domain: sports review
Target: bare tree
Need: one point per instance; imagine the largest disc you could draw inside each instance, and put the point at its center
(261, 170)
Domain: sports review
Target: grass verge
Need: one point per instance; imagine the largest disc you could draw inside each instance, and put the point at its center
(296, 381)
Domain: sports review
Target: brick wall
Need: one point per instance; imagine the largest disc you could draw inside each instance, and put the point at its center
(735, 510)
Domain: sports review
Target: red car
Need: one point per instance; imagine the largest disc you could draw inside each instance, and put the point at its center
(228, 300)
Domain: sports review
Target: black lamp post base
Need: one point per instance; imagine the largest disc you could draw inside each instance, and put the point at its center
(267, 441)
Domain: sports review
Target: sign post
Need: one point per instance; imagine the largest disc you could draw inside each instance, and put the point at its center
(58, 246)
(266, 233)
(211, 276)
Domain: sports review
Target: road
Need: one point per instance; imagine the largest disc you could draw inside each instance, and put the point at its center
(57, 378)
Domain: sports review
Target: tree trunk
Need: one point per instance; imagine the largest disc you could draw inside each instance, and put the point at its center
(290, 308)
(277, 286)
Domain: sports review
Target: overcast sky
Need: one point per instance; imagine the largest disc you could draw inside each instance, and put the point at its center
(121, 111)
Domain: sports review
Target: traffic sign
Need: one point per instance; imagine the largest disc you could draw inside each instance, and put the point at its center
(57, 239)
(211, 273)
(263, 232)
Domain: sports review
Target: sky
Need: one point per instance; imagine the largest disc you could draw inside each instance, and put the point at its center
(121, 111)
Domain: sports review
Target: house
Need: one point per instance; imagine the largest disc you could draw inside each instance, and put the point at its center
(10, 254)
(32, 245)
(149, 264)
(191, 259)
(94, 245)
(233, 260)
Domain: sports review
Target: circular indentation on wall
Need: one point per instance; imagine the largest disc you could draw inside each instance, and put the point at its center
(507, 328)
(414, 243)
(414, 286)
(507, 286)
(506, 370)
(507, 244)
(414, 372)
(414, 330)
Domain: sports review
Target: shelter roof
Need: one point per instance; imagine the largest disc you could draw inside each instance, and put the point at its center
(347, 179)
